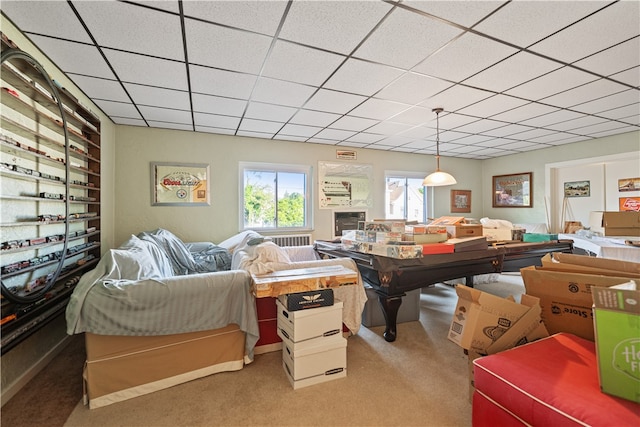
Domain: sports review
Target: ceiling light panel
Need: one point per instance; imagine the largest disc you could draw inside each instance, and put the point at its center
(259, 16)
(580, 40)
(405, 38)
(65, 55)
(332, 101)
(337, 26)
(349, 77)
(465, 57)
(225, 48)
(135, 68)
(212, 81)
(158, 97)
(300, 64)
(133, 28)
(540, 19)
(217, 105)
(44, 17)
(281, 93)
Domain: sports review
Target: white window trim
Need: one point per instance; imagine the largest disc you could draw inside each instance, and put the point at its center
(277, 167)
(414, 175)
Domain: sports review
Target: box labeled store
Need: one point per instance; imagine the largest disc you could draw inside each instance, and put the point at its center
(306, 300)
(565, 298)
(302, 325)
(616, 312)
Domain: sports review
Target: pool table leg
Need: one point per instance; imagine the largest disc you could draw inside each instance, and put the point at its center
(390, 306)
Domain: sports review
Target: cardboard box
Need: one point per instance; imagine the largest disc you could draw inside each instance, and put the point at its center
(396, 226)
(306, 324)
(481, 318)
(589, 265)
(565, 298)
(459, 230)
(372, 314)
(497, 234)
(448, 220)
(307, 300)
(302, 280)
(383, 249)
(314, 361)
(616, 223)
(616, 312)
(538, 237)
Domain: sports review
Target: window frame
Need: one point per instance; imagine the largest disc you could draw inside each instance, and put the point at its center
(428, 199)
(277, 168)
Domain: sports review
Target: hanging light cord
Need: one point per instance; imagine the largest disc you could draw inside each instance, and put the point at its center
(438, 111)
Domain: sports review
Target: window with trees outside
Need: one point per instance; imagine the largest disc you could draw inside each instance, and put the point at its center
(275, 196)
(405, 197)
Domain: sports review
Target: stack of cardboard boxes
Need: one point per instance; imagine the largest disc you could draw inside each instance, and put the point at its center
(313, 348)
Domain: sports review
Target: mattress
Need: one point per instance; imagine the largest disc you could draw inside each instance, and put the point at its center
(549, 382)
(118, 367)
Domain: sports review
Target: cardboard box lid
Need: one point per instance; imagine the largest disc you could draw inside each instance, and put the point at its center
(447, 220)
(593, 262)
(624, 297)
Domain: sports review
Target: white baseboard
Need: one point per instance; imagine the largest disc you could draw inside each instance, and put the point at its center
(17, 385)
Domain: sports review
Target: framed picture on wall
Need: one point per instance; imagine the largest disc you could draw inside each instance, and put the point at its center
(179, 184)
(629, 204)
(512, 191)
(629, 184)
(577, 189)
(461, 201)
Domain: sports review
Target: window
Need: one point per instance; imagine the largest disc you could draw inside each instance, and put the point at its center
(405, 197)
(275, 196)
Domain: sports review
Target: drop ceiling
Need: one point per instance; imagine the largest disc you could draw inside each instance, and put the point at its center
(512, 76)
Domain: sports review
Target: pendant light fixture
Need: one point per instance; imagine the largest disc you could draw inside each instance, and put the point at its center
(438, 177)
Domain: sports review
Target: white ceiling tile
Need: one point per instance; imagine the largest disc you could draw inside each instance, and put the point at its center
(413, 88)
(365, 138)
(598, 128)
(615, 131)
(462, 13)
(455, 98)
(65, 56)
(525, 112)
(630, 77)
(492, 106)
(575, 124)
(421, 144)
(225, 48)
(169, 125)
(622, 112)
(215, 120)
(334, 134)
(278, 113)
(146, 70)
(454, 120)
(530, 134)
(314, 118)
(299, 130)
(539, 18)
(361, 77)
(511, 72)
(378, 109)
(332, 101)
(552, 118)
(323, 141)
(584, 93)
(395, 141)
(480, 126)
(22, 14)
(217, 105)
(351, 144)
(120, 109)
(464, 57)
(137, 29)
(613, 60)
(259, 16)
(154, 114)
(264, 135)
(337, 26)
(420, 132)
(621, 20)
(353, 123)
(220, 82)
(215, 130)
(128, 121)
(158, 97)
(405, 38)
(552, 83)
(168, 5)
(283, 93)
(254, 125)
(414, 116)
(291, 62)
(109, 90)
(610, 102)
(507, 130)
(389, 128)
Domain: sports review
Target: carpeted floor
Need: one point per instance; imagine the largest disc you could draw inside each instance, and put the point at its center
(421, 379)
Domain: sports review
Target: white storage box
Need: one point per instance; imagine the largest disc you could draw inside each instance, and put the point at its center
(372, 314)
(315, 360)
(302, 325)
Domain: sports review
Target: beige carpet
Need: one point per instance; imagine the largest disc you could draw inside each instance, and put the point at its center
(421, 379)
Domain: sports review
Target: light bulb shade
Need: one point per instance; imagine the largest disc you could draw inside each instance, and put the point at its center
(438, 178)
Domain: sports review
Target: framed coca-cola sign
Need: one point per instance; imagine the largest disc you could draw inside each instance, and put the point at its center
(180, 184)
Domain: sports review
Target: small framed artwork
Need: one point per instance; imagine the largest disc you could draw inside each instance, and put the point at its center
(461, 201)
(513, 191)
(629, 184)
(179, 184)
(577, 189)
(629, 204)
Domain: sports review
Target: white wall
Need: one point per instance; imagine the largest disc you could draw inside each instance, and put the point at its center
(137, 147)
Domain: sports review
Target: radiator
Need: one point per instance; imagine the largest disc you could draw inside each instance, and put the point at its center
(292, 240)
